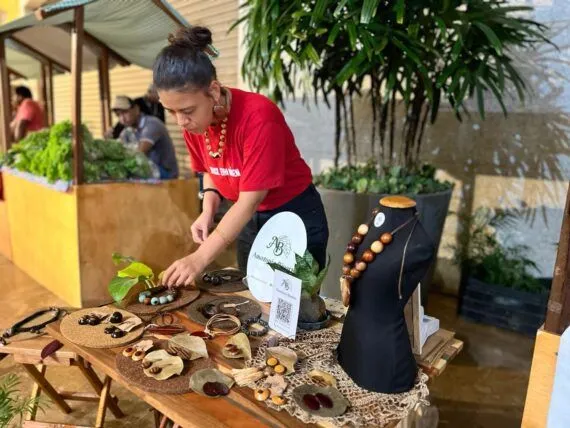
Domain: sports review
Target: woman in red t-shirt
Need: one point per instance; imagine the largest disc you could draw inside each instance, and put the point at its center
(242, 145)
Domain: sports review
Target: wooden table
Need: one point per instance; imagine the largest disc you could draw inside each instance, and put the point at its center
(238, 409)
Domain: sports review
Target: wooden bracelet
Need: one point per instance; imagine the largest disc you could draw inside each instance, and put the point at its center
(221, 318)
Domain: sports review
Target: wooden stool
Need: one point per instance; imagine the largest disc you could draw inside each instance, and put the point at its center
(27, 353)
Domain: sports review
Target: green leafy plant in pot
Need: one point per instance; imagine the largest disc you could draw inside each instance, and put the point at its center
(312, 308)
(133, 274)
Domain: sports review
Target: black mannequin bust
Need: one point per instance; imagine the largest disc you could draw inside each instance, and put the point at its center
(374, 348)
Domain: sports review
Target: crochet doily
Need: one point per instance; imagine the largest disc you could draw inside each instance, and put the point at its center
(316, 351)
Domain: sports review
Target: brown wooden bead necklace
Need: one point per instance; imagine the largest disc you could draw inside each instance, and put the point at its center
(352, 269)
(221, 144)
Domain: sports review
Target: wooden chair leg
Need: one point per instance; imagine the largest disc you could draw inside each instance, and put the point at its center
(36, 391)
(103, 403)
(157, 416)
(47, 388)
(96, 384)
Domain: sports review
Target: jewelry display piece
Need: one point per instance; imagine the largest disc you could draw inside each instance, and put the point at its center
(157, 296)
(19, 327)
(221, 143)
(247, 324)
(352, 269)
(219, 318)
(219, 277)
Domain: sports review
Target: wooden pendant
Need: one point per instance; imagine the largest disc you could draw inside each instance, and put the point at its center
(345, 291)
(386, 238)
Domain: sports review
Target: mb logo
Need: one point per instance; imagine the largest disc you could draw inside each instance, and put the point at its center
(280, 245)
(285, 285)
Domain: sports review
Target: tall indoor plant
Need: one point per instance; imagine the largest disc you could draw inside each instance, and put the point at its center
(407, 56)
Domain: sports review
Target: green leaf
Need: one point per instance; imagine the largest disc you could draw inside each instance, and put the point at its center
(400, 8)
(136, 269)
(277, 266)
(333, 34)
(351, 68)
(352, 36)
(119, 258)
(339, 8)
(318, 11)
(120, 286)
(311, 53)
(368, 10)
(491, 36)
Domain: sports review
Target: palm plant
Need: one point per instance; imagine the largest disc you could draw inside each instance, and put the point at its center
(405, 55)
(13, 406)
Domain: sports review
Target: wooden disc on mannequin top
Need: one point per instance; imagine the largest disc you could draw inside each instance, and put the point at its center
(397, 201)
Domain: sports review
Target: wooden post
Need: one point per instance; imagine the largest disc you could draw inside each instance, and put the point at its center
(50, 105)
(105, 90)
(76, 69)
(558, 312)
(43, 93)
(5, 99)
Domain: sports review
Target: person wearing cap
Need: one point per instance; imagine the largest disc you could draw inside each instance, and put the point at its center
(148, 134)
(29, 115)
(246, 152)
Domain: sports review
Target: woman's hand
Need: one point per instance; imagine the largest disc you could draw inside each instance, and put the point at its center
(182, 271)
(201, 227)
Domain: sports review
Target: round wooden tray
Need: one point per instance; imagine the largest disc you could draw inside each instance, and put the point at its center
(249, 310)
(229, 287)
(93, 336)
(132, 371)
(186, 297)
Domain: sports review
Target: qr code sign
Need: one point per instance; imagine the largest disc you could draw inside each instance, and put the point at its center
(284, 309)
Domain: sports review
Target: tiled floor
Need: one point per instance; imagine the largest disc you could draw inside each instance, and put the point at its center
(485, 386)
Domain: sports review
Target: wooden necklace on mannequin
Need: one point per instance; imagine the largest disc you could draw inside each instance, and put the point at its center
(353, 269)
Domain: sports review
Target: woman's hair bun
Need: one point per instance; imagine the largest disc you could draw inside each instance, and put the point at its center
(195, 38)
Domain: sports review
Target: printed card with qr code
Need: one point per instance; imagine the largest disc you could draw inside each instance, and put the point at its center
(285, 304)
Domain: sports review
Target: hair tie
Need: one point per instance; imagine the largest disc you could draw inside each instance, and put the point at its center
(211, 52)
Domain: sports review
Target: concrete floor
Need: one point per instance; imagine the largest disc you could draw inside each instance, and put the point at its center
(485, 386)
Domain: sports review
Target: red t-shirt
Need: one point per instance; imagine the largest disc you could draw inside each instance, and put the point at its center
(31, 111)
(259, 153)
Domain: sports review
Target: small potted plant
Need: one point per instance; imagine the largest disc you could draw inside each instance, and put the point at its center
(498, 287)
(135, 276)
(312, 311)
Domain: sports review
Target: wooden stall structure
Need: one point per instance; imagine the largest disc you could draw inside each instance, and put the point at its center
(64, 240)
(547, 343)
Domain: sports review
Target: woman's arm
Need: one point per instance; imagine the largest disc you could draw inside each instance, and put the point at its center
(211, 201)
(183, 271)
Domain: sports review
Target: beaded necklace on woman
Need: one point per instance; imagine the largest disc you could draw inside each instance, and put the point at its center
(352, 269)
(221, 112)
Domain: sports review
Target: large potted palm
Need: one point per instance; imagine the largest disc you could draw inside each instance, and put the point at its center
(407, 58)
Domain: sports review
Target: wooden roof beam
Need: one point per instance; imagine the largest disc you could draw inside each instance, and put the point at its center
(40, 56)
(97, 46)
(41, 13)
(167, 11)
(16, 74)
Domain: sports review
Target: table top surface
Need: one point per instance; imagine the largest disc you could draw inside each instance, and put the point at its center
(239, 408)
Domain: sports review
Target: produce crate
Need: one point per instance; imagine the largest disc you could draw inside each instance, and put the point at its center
(64, 240)
(503, 307)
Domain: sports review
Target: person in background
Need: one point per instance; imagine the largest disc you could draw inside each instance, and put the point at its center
(150, 103)
(29, 115)
(148, 134)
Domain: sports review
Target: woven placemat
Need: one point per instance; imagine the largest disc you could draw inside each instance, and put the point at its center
(132, 371)
(93, 336)
(246, 311)
(186, 297)
(228, 287)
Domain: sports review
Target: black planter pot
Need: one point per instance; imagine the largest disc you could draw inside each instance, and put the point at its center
(346, 210)
(503, 307)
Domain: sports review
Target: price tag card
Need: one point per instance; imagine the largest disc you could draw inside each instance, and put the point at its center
(285, 304)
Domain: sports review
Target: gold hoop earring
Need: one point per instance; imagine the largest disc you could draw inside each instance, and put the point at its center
(220, 111)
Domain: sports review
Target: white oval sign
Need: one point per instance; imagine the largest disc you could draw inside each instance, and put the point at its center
(283, 236)
(379, 219)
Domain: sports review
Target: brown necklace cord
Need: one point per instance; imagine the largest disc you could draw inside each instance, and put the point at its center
(404, 253)
(221, 318)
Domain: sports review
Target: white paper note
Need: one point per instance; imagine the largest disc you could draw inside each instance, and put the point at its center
(285, 304)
